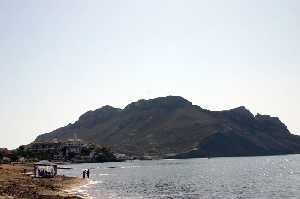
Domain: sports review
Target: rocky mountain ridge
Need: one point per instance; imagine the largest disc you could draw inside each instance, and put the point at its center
(172, 127)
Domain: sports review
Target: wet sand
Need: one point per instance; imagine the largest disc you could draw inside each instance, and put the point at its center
(16, 185)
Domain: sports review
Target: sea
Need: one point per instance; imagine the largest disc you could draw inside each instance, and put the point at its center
(238, 177)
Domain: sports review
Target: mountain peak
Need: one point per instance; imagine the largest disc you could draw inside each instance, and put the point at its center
(272, 123)
(242, 111)
(168, 102)
(99, 111)
(92, 118)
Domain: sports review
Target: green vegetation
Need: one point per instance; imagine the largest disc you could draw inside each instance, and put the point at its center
(104, 154)
(22, 152)
(14, 155)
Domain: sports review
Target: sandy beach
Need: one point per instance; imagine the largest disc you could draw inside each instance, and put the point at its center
(15, 184)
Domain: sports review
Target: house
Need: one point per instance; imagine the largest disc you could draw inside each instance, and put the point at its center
(72, 147)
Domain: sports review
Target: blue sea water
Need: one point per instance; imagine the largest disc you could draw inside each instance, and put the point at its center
(241, 177)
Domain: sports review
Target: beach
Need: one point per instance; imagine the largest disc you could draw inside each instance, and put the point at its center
(15, 184)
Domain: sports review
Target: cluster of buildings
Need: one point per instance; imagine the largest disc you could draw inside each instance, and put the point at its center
(70, 149)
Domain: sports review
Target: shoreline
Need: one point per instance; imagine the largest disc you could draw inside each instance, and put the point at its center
(77, 190)
(15, 184)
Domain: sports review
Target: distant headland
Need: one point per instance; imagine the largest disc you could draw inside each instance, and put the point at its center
(172, 127)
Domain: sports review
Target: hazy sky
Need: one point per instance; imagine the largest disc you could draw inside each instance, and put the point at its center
(59, 59)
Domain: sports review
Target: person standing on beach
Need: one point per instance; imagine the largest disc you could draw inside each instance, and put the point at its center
(83, 174)
(88, 173)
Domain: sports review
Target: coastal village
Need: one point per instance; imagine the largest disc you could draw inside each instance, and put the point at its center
(71, 151)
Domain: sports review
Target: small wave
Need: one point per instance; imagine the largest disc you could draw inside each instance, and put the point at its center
(82, 190)
(104, 174)
(129, 167)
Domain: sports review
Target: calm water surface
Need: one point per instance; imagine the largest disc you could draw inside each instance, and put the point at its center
(247, 177)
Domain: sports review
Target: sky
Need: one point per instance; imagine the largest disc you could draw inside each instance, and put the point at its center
(59, 59)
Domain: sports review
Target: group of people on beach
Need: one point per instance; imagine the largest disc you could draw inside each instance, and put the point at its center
(47, 172)
(86, 173)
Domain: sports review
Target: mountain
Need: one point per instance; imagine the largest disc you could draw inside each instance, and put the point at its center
(172, 127)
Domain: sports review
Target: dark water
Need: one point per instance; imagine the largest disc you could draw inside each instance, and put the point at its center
(248, 177)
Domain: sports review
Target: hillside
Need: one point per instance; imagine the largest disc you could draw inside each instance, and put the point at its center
(174, 127)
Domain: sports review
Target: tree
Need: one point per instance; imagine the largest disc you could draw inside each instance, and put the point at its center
(92, 147)
(14, 156)
(85, 151)
(104, 154)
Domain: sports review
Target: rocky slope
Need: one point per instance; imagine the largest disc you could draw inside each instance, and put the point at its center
(174, 127)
